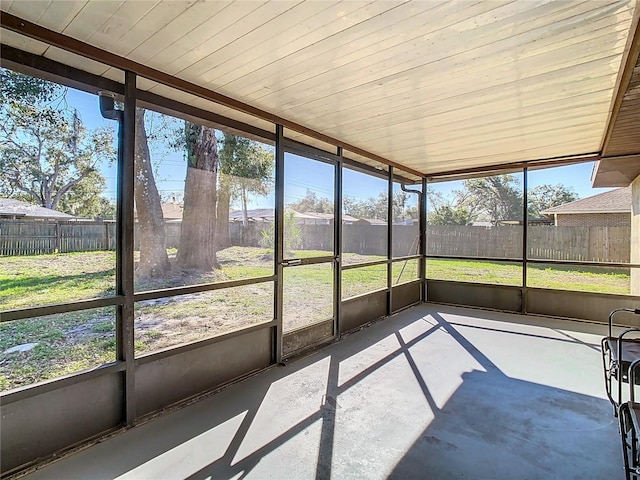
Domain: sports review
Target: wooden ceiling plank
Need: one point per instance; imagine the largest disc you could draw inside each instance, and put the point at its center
(31, 11)
(91, 18)
(627, 69)
(503, 160)
(592, 114)
(256, 27)
(295, 38)
(75, 61)
(126, 17)
(526, 93)
(437, 80)
(172, 39)
(60, 14)
(23, 43)
(283, 30)
(160, 15)
(114, 74)
(434, 123)
(383, 58)
(479, 115)
(582, 137)
(543, 146)
(377, 32)
(317, 88)
(230, 23)
(538, 135)
(196, 43)
(431, 164)
(443, 113)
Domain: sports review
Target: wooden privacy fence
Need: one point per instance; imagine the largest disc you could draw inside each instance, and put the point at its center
(463, 241)
(362, 239)
(594, 244)
(587, 244)
(24, 237)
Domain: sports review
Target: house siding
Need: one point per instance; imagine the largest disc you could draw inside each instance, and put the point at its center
(594, 220)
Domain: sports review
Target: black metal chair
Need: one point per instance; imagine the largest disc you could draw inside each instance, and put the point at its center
(629, 417)
(618, 353)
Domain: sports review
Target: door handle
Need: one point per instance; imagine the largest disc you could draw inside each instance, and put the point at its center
(290, 263)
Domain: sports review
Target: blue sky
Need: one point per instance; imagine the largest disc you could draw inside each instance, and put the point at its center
(300, 173)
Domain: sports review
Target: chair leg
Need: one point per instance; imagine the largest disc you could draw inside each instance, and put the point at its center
(625, 425)
(608, 375)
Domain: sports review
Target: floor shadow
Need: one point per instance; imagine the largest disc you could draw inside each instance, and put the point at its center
(490, 426)
(496, 427)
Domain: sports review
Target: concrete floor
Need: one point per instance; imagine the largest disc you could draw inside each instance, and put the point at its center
(434, 392)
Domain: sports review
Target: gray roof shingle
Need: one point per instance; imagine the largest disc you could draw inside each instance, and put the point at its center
(12, 207)
(613, 201)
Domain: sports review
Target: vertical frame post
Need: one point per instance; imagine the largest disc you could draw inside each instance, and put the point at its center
(124, 247)
(423, 242)
(525, 237)
(390, 244)
(337, 245)
(279, 243)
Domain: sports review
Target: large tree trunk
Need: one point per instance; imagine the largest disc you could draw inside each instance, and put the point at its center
(197, 240)
(153, 252)
(223, 239)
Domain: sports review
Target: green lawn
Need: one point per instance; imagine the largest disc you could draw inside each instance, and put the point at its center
(75, 341)
(562, 277)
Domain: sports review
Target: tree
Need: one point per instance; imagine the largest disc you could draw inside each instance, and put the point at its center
(86, 200)
(363, 208)
(197, 241)
(246, 168)
(448, 215)
(547, 196)
(378, 207)
(153, 252)
(311, 203)
(491, 199)
(16, 87)
(443, 212)
(46, 151)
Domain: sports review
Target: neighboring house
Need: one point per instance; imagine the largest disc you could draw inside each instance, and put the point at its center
(304, 218)
(608, 209)
(253, 215)
(15, 209)
(313, 218)
(171, 212)
(371, 221)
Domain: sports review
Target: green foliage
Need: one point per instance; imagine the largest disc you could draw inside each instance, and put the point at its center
(17, 87)
(547, 196)
(46, 152)
(312, 204)
(246, 167)
(493, 199)
(443, 212)
(247, 164)
(86, 201)
(448, 215)
(292, 237)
